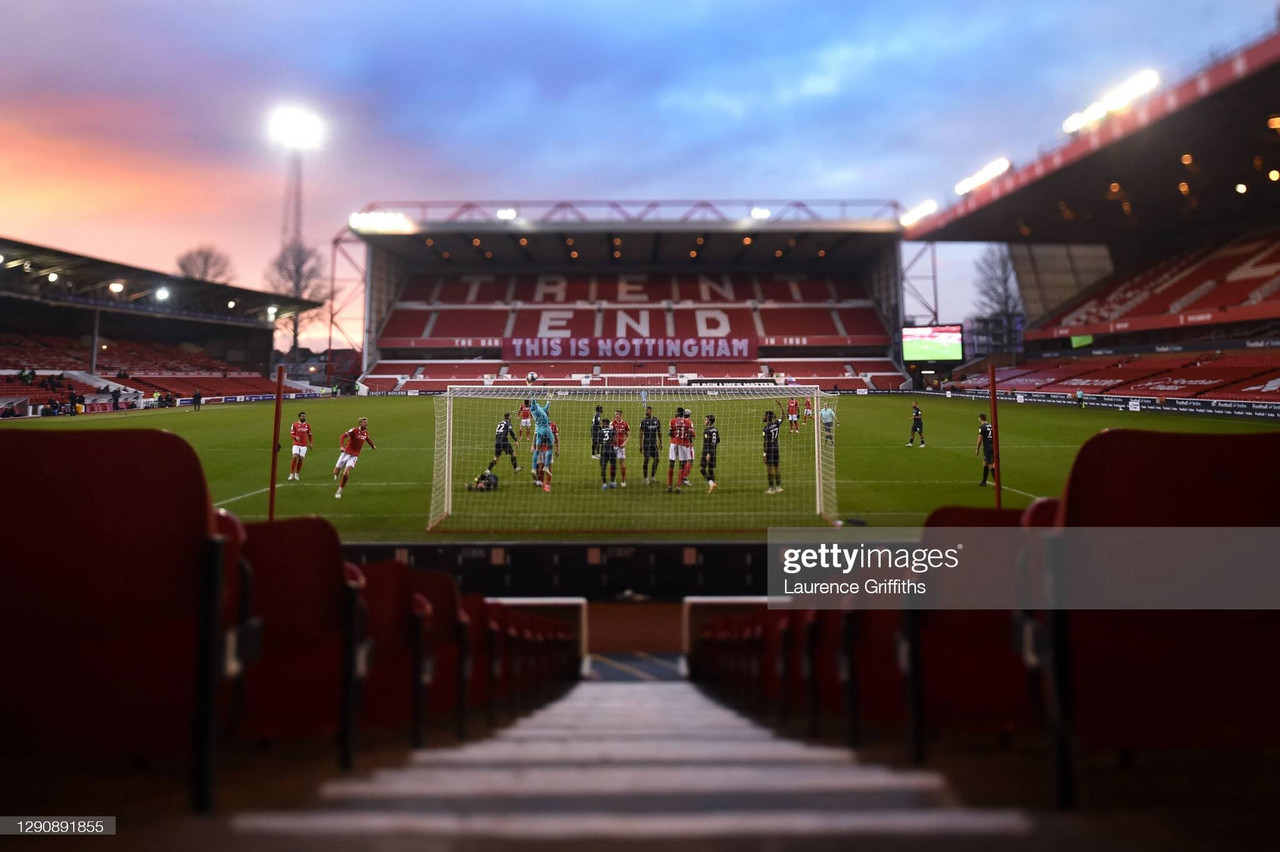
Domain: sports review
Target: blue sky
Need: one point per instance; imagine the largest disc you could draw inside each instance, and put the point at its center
(135, 129)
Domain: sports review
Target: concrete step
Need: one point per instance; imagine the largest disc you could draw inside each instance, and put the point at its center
(614, 750)
(737, 829)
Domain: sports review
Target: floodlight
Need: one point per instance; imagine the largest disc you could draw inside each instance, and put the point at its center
(115, 287)
(506, 213)
(53, 276)
(231, 303)
(1274, 175)
(382, 222)
(1241, 188)
(162, 294)
(272, 310)
(295, 128)
(986, 174)
(1142, 83)
(920, 211)
(761, 212)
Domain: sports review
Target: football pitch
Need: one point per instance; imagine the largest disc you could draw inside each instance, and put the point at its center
(878, 479)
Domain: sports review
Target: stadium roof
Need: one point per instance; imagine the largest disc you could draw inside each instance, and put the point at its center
(783, 235)
(77, 280)
(1172, 160)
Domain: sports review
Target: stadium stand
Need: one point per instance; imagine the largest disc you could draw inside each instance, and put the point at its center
(1126, 672)
(800, 320)
(1211, 375)
(1110, 680)
(1220, 274)
(194, 627)
(142, 629)
(466, 322)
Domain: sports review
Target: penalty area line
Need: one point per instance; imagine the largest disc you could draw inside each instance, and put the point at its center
(282, 486)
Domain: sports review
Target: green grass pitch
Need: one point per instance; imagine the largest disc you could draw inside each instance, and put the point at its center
(879, 479)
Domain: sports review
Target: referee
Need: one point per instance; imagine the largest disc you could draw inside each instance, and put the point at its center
(710, 443)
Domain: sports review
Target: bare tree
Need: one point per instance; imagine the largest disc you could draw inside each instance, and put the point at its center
(207, 263)
(998, 300)
(298, 272)
(998, 293)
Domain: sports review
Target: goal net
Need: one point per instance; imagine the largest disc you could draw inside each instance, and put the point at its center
(632, 495)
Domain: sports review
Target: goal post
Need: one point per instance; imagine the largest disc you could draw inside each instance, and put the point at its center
(588, 497)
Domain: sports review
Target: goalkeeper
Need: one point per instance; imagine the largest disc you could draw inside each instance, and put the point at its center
(543, 441)
(486, 481)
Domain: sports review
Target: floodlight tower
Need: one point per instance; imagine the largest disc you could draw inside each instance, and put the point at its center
(296, 130)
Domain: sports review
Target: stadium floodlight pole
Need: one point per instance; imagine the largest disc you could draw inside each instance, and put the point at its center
(296, 130)
(275, 443)
(995, 428)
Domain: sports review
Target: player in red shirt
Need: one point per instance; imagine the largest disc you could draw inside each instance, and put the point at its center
(675, 451)
(300, 432)
(680, 431)
(526, 420)
(808, 409)
(793, 415)
(352, 441)
(621, 435)
(688, 445)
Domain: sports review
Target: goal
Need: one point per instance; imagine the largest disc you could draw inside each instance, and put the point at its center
(583, 499)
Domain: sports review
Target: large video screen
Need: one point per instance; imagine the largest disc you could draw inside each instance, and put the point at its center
(933, 343)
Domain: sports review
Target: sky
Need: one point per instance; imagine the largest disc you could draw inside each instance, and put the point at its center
(135, 129)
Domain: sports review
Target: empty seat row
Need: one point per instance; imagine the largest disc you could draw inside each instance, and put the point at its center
(647, 321)
(159, 627)
(634, 288)
(1083, 680)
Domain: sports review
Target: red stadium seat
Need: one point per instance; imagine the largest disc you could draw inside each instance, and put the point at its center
(963, 668)
(113, 624)
(447, 643)
(1153, 679)
(304, 686)
(399, 625)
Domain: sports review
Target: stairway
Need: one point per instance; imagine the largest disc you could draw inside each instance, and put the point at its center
(635, 764)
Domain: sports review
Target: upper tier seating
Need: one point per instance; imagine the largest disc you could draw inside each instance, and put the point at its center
(628, 288)
(859, 321)
(798, 321)
(467, 322)
(711, 322)
(1220, 274)
(629, 305)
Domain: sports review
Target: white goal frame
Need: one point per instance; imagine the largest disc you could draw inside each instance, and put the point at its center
(825, 492)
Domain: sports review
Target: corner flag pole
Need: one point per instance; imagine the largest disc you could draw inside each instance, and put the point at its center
(275, 445)
(995, 427)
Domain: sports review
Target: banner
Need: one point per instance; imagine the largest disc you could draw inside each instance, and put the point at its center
(638, 348)
(1239, 408)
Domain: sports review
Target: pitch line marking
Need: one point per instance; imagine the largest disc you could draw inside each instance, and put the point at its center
(310, 485)
(622, 667)
(242, 496)
(659, 661)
